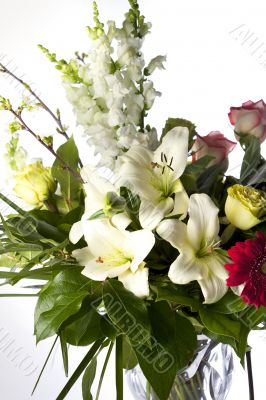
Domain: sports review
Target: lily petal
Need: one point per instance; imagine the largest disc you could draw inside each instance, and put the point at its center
(203, 224)
(151, 214)
(174, 232)
(136, 282)
(76, 232)
(99, 272)
(181, 203)
(175, 147)
(186, 268)
(213, 288)
(140, 244)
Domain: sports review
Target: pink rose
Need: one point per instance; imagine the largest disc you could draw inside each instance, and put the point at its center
(250, 119)
(215, 145)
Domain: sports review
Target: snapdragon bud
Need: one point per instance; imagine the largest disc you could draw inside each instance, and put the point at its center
(34, 184)
(245, 206)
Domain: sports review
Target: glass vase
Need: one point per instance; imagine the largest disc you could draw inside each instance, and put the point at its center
(207, 377)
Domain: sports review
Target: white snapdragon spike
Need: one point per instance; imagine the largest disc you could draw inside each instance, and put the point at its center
(114, 93)
(113, 253)
(200, 257)
(96, 189)
(155, 177)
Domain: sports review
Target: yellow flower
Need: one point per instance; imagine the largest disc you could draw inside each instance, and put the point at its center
(245, 206)
(34, 184)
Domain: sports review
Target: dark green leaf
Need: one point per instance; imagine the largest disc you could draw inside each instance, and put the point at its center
(88, 378)
(259, 176)
(220, 324)
(229, 304)
(207, 179)
(129, 356)
(127, 311)
(172, 346)
(70, 185)
(132, 206)
(64, 351)
(198, 165)
(86, 360)
(177, 294)
(58, 300)
(251, 159)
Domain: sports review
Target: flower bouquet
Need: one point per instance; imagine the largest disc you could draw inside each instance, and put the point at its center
(151, 246)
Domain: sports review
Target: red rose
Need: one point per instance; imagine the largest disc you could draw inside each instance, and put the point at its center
(250, 119)
(214, 144)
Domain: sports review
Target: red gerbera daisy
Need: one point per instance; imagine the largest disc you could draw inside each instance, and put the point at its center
(249, 268)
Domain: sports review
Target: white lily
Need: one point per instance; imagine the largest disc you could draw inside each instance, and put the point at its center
(96, 189)
(113, 253)
(198, 243)
(155, 177)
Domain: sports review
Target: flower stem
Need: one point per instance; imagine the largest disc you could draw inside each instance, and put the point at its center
(119, 368)
(56, 118)
(250, 376)
(104, 369)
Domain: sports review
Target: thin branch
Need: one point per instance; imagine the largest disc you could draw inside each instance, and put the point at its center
(57, 118)
(49, 148)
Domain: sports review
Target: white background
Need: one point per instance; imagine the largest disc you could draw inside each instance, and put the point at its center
(216, 59)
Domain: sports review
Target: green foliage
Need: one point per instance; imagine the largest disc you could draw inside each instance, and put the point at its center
(58, 300)
(70, 185)
(88, 378)
(251, 158)
(172, 345)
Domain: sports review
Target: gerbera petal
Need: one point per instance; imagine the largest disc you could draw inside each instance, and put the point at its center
(203, 224)
(136, 282)
(213, 288)
(175, 147)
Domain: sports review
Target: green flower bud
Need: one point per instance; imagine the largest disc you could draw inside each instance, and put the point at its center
(113, 203)
(245, 206)
(34, 184)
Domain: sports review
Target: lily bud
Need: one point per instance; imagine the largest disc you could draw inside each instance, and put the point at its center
(114, 203)
(34, 184)
(245, 206)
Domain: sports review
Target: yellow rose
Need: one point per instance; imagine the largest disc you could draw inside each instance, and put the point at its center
(34, 184)
(245, 206)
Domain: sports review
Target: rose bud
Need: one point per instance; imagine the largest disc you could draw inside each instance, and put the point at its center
(34, 184)
(245, 206)
(249, 119)
(215, 145)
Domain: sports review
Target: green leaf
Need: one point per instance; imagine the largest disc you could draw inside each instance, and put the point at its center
(127, 311)
(175, 293)
(64, 351)
(129, 356)
(259, 176)
(119, 367)
(85, 326)
(229, 304)
(220, 324)
(88, 378)
(173, 343)
(252, 316)
(209, 177)
(132, 206)
(86, 360)
(69, 184)
(251, 159)
(198, 166)
(58, 300)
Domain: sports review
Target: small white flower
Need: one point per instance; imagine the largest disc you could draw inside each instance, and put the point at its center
(156, 62)
(200, 257)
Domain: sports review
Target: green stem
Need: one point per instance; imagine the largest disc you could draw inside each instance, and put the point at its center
(148, 390)
(119, 367)
(86, 360)
(44, 365)
(104, 369)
